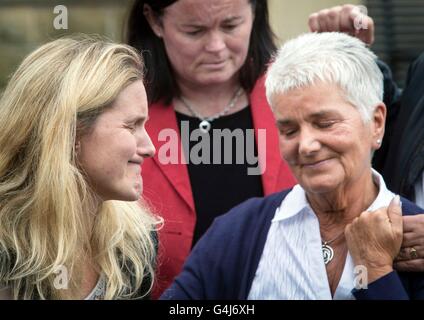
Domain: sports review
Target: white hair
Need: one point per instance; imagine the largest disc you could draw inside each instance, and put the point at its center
(329, 57)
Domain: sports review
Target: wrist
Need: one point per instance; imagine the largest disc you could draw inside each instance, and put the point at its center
(375, 273)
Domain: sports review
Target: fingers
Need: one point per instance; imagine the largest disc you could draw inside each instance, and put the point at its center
(410, 253)
(412, 239)
(346, 21)
(349, 19)
(414, 223)
(410, 265)
(313, 23)
(326, 20)
(408, 223)
(322, 20)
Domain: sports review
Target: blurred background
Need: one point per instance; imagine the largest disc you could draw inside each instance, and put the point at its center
(25, 24)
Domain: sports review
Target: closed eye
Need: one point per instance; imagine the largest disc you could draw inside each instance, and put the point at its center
(229, 27)
(287, 132)
(130, 127)
(194, 32)
(325, 124)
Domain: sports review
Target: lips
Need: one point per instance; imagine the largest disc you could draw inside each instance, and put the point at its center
(135, 162)
(215, 64)
(315, 164)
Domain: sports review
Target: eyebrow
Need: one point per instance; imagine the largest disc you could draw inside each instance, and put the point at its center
(232, 19)
(226, 20)
(138, 119)
(315, 115)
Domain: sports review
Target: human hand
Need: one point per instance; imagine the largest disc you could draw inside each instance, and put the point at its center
(411, 255)
(348, 18)
(374, 239)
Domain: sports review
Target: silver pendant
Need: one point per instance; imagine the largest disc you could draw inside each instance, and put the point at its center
(328, 253)
(204, 126)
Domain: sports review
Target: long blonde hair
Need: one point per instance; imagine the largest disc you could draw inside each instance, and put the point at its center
(48, 219)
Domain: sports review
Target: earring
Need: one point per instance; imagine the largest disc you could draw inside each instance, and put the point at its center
(379, 141)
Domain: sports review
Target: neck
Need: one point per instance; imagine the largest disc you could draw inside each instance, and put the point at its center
(338, 208)
(210, 100)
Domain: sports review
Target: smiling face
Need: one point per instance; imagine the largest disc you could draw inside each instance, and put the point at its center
(113, 150)
(324, 139)
(206, 41)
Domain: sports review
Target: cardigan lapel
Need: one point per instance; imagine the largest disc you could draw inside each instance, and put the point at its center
(263, 118)
(177, 174)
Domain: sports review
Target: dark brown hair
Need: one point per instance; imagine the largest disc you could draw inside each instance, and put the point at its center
(160, 81)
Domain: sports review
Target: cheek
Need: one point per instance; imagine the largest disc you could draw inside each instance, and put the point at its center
(239, 45)
(288, 150)
(126, 147)
(351, 150)
(116, 152)
(179, 50)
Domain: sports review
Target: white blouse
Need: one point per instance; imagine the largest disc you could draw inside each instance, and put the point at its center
(292, 265)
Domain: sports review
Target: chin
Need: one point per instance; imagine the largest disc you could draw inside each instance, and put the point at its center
(216, 77)
(133, 196)
(320, 187)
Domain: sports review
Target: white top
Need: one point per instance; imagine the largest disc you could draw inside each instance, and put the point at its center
(98, 292)
(419, 192)
(292, 265)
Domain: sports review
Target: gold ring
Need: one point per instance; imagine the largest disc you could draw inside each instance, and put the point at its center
(413, 253)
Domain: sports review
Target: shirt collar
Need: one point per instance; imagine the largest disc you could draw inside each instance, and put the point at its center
(295, 202)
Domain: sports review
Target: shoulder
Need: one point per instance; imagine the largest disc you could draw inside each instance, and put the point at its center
(410, 208)
(250, 214)
(416, 73)
(419, 62)
(258, 90)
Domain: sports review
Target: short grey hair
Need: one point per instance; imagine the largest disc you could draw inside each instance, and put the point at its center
(329, 57)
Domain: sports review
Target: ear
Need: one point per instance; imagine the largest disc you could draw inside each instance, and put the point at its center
(153, 20)
(378, 121)
(77, 146)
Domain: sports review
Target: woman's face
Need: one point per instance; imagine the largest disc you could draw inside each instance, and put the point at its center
(113, 150)
(206, 41)
(323, 137)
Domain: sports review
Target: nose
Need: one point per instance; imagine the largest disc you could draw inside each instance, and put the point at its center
(215, 42)
(145, 147)
(308, 143)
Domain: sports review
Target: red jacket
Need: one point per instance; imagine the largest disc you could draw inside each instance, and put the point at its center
(167, 186)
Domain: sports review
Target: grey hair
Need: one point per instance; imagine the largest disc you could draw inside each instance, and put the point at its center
(329, 57)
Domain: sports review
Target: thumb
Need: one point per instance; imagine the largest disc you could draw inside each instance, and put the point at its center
(394, 211)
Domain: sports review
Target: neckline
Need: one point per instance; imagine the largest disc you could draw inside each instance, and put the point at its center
(227, 116)
(98, 290)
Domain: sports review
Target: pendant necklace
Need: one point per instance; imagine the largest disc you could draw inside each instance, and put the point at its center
(327, 250)
(205, 122)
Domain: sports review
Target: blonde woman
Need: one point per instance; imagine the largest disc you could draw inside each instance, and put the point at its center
(72, 140)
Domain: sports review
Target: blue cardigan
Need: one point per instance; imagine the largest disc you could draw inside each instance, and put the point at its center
(223, 263)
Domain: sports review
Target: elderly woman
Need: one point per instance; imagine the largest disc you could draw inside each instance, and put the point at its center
(340, 223)
(72, 139)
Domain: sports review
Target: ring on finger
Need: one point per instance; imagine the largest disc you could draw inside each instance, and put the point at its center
(413, 253)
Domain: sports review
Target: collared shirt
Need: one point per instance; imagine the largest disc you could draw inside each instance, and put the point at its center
(292, 265)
